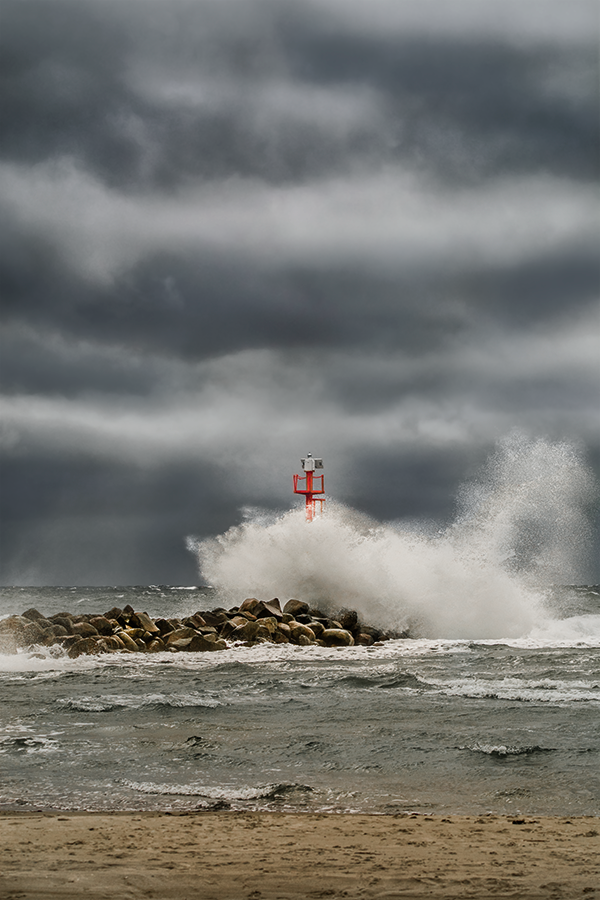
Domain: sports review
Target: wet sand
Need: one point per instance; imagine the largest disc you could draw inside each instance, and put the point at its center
(223, 855)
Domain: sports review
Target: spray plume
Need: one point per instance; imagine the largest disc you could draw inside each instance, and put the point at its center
(520, 526)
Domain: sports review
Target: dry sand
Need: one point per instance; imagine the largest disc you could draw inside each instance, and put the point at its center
(263, 856)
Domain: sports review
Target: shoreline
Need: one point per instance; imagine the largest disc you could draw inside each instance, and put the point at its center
(227, 855)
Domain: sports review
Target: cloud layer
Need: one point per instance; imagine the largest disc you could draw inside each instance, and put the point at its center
(236, 231)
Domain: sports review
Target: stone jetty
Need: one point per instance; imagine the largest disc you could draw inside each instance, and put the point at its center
(127, 631)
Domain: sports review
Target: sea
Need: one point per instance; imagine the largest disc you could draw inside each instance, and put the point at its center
(415, 725)
(491, 705)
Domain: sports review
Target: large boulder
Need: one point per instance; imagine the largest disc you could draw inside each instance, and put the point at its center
(156, 645)
(316, 627)
(101, 624)
(143, 620)
(180, 634)
(216, 617)
(85, 646)
(196, 621)
(270, 609)
(230, 625)
(200, 643)
(17, 631)
(298, 631)
(115, 613)
(337, 637)
(63, 620)
(34, 615)
(250, 603)
(57, 631)
(84, 629)
(127, 641)
(348, 619)
(296, 608)
(164, 626)
(363, 640)
(246, 632)
(179, 643)
(270, 624)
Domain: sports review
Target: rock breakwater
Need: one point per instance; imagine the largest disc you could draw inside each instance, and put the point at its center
(127, 631)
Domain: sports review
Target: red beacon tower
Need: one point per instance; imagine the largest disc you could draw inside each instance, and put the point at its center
(310, 484)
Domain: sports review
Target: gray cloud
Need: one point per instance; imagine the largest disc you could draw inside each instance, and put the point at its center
(238, 230)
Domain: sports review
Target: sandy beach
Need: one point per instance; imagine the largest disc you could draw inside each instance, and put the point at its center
(223, 855)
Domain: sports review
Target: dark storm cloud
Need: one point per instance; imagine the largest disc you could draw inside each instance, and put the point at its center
(72, 521)
(147, 96)
(239, 229)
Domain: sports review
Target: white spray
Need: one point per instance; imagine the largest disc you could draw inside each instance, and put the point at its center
(520, 527)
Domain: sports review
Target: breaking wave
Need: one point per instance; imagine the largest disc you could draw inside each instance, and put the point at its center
(520, 527)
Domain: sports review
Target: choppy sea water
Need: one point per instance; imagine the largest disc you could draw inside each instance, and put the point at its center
(445, 726)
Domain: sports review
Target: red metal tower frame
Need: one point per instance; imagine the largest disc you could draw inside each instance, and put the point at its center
(313, 484)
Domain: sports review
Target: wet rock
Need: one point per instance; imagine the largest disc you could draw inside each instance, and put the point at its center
(269, 609)
(180, 634)
(280, 638)
(270, 624)
(101, 624)
(263, 633)
(297, 631)
(295, 608)
(348, 619)
(34, 615)
(215, 617)
(17, 631)
(13, 624)
(317, 613)
(115, 613)
(195, 621)
(63, 620)
(375, 633)
(245, 632)
(58, 631)
(114, 642)
(249, 604)
(164, 627)
(67, 641)
(337, 637)
(316, 627)
(105, 645)
(135, 633)
(303, 641)
(128, 642)
(143, 620)
(230, 625)
(179, 644)
(364, 640)
(84, 629)
(155, 646)
(199, 643)
(84, 646)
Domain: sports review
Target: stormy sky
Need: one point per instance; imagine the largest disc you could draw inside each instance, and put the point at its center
(234, 231)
